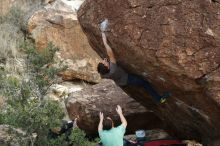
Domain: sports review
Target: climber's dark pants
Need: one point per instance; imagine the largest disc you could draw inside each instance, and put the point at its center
(137, 81)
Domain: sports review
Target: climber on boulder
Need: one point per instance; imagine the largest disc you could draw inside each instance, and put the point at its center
(110, 135)
(108, 68)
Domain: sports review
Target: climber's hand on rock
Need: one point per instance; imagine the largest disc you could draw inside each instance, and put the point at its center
(118, 109)
(101, 116)
(104, 25)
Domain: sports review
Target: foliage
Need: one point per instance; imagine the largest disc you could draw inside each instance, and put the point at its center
(28, 109)
(42, 72)
(77, 137)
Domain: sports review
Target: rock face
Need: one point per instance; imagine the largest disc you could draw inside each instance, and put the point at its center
(104, 97)
(175, 45)
(57, 23)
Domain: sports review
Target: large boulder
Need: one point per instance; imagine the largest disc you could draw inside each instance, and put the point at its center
(104, 97)
(57, 23)
(175, 45)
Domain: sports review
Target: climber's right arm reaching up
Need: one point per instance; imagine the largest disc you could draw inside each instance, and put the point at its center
(108, 49)
(123, 120)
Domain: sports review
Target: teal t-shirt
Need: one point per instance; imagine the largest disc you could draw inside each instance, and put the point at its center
(112, 137)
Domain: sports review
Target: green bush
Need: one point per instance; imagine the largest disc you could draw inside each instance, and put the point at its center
(27, 108)
(77, 137)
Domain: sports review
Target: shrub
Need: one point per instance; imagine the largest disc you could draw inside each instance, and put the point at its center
(28, 109)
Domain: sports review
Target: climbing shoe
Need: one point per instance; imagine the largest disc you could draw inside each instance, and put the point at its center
(162, 100)
(164, 97)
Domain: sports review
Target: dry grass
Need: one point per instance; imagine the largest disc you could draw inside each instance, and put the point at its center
(11, 34)
(10, 38)
(2, 101)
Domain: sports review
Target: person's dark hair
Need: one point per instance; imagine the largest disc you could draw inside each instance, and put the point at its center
(102, 69)
(107, 124)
